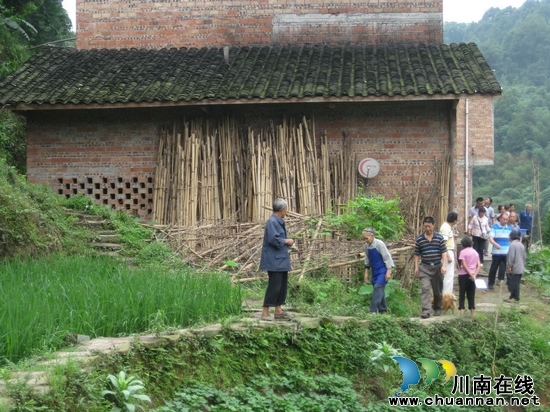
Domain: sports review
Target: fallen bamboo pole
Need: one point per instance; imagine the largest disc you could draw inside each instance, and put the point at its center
(308, 257)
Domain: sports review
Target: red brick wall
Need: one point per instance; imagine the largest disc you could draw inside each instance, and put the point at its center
(110, 158)
(206, 23)
(480, 120)
(113, 153)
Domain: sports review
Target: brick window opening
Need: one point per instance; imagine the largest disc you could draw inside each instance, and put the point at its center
(134, 193)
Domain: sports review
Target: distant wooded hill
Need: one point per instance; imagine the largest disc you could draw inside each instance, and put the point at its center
(516, 43)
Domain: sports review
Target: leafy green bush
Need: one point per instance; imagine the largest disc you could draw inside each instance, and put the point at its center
(546, 229)
(332, 296)
(294, 391)
(12, 139)
(32, 221)
(238, 365)
(125, 393)
(538, 266)
(364, 211)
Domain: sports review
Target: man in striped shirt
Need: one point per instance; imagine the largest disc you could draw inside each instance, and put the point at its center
(499, 236)
(430, 266)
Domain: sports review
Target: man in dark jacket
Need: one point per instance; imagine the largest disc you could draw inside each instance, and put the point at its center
(515, 265)
(276, 260)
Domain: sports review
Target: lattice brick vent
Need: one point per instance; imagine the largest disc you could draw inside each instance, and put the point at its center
(126, 193)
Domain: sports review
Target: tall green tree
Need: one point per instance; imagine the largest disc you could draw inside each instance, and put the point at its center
(25, 24)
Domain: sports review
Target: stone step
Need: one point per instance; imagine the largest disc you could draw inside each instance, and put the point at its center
(108, 237)
(106, 232)
(99, 245)
(92, 222)
(111, 253)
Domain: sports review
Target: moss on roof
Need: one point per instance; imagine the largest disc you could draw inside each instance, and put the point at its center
(69, 76)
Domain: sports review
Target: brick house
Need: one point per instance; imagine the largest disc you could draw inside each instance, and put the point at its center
(374, 76)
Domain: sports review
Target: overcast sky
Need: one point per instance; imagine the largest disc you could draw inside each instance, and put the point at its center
(462, 11)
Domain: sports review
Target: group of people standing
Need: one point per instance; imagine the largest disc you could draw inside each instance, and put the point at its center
(488, 229)
(434, 257)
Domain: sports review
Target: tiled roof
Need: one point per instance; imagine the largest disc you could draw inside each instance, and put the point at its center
(69, 76)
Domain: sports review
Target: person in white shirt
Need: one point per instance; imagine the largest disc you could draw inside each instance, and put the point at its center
(449, 235)
(490, 212)
(474, 210)
(492, 219)
(479, 230)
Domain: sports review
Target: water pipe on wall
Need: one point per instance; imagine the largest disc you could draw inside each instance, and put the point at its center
(466, 171)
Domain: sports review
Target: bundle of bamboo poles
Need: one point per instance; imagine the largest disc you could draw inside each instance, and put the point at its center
(211, 171)
(241, 243)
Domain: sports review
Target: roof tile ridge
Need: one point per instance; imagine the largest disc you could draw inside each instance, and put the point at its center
(112, 74)
(405, 62)
(385, 87)
(157, 57)
(328, 73)
(260, 71)
(195, 92)
(283, 70)
(6, 91)
(297, 74)
(371, 70)
(187, 65)
(135, 94)
(81, 63)
(250, 74)
(295, 52)
(213, 56)
(419, 70)
(339, 66)
(440, 51)
(313, 75)
(306, 68)
(62, 84)
(459, 59)
(276, 72)
(393, 60)
(472, 49)
(348, 73)
(359, 73)
(432, 79)
(234, 71)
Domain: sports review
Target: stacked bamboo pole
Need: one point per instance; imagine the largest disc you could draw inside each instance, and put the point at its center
(209, 172)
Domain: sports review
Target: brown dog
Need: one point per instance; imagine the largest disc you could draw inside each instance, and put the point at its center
(448, 302)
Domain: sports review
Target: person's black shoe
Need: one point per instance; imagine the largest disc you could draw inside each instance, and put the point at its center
(490, 287)
(437, 312)
(425, 316)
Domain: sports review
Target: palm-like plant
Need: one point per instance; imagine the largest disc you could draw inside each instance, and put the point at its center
(383, 354)
(125, 392)
(15, 22)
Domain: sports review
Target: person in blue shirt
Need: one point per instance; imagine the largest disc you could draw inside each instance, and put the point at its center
(499, 236)
(526, 219)
(378, 261)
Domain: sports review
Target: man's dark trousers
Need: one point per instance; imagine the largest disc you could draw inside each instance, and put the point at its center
(498, 263)
(275, 294)
(431, 279)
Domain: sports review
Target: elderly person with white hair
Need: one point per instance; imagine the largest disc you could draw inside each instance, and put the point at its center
(379, 262)
(276, 260)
